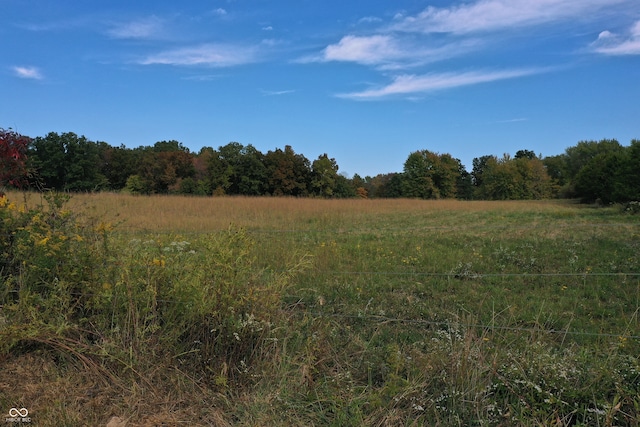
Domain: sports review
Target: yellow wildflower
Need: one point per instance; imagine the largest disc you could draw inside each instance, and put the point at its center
(158, 262)
(103, 227)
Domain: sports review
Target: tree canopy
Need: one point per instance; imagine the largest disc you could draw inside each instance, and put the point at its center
(602, 171)
(13, 158)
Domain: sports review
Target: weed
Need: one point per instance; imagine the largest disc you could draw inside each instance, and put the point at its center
(320, 312)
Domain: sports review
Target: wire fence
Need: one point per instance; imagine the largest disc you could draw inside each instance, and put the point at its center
(448, 323)
(350, 229)
(417, 273)
(383, 319)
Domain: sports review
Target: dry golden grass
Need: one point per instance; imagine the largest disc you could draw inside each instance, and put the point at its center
(177, 214)
(52, 393)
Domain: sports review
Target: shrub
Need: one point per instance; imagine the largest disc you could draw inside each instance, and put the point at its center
(632, 208)
(73, 285)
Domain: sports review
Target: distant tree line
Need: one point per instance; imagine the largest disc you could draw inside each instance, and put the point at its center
(602, 171)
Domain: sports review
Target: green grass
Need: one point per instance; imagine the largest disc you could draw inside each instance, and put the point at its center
(472, 316)
(369, 313)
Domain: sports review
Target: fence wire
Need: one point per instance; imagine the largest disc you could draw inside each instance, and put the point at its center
(133, 232)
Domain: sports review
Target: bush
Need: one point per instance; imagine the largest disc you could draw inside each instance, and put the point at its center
(632, 208)
(73, 285)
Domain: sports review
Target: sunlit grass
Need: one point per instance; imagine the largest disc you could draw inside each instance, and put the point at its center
(429, 312)
(202, 214)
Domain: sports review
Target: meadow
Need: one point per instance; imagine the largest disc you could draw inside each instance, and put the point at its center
(283, 311)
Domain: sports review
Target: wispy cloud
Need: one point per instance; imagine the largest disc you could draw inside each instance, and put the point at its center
(28, 73)
(389, 52)
(149, 27)
(516, 120)
(490, 15)
(455, 31)
(212, 55)
(609, 43)
(220, 12)
(410, 84)
(202, 78)
(365, 50)
(276, 92)
(369, 20)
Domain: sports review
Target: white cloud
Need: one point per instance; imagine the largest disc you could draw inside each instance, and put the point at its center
(220, 12)
(365, 50)
(609, 43)
(28, 73)
(369, 20)
(516, 120)
(139, 29)
(202, 78)
(389, 52)
(213, 55)
(490, 15)
(468, 26)
(408, 84)
(276, 92)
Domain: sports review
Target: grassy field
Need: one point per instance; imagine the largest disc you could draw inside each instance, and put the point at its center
(343, 312)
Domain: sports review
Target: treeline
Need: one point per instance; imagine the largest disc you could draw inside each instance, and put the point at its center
(602, 171)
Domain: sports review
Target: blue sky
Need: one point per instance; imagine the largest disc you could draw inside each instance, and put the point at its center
(365, 82)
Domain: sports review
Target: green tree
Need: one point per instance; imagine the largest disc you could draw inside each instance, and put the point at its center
(525, 154)
(162, 166)
(557, 169)
(359, 186)
(447, 174)
(289, 174)
(117, 164)
(429, 175)
(509, 178)
(611, 177)
(345, 188)
(388, 185)
(324, 176)
(251, 172)
(201, 172)
(220, 173)
(498, 179)
(48, 159)
(67, 162)
(579, 155)
(136, 185)
(418, 176)
(464, 184)
(236, 169)
(479, 167)
(632, 171)
(600, 178)
(82, 164)
(533, 180)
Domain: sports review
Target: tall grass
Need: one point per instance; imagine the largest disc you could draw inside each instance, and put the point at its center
(267, 311)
